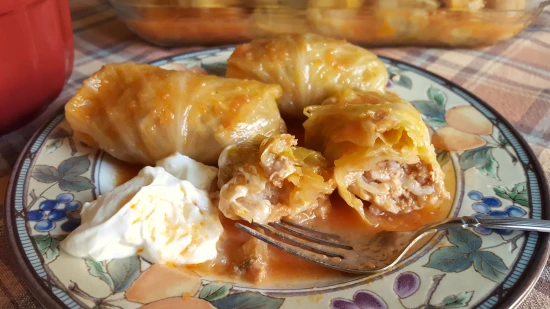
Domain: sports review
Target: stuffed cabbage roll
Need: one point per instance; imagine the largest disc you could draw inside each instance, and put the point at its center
(308, 67)
(141, 113)
(381, 152)
(270, 178)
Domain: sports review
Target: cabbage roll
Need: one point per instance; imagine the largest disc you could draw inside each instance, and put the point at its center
(308, 67)
(381, 152)
(270, 178)
(140, 113)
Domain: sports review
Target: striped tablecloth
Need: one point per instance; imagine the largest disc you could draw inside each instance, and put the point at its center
(514, 77)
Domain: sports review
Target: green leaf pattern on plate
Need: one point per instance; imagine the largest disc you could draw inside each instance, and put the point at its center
(54, 145)
(98, 269)
(437, 96)
(482, 159)
(443, 156)
(67, 175)
(247, 300)
(489, 265)
(214, 291)
(123, 272)
(450, 259)
(404, 81)
(432, 109)
(48, 246)
(44, 173)
(467, 251)
(457, 301)
(517, 194)
(502, 140)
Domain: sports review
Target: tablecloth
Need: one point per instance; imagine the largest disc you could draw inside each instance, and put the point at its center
(513, 77)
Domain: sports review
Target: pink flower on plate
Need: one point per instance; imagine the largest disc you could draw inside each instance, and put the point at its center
(361, 300)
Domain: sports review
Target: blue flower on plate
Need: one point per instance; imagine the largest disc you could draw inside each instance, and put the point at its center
(488, 206)
(50, 212)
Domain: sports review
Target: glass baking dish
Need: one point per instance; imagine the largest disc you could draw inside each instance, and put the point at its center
(445, 23)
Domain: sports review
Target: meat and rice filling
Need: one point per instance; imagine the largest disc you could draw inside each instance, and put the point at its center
(396, 187)
(274, 179)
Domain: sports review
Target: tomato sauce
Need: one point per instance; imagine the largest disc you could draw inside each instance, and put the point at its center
(287, 270)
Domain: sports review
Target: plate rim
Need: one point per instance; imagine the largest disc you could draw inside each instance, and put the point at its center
(512, 299)
(32, 282)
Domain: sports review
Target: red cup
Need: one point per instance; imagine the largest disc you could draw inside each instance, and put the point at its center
(36, 57)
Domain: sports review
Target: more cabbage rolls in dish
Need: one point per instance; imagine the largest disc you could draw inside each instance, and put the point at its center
(270, 178)
(381, 152)
(308, 67)
(140, 113)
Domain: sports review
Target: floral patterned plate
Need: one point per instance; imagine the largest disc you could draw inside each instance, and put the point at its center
(491, 169)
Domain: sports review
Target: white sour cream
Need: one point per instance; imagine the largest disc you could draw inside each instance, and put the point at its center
(156, 215)
(200, 175)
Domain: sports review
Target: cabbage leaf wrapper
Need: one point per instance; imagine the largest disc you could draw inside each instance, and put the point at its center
(308, 67)
(270, 178)
(140, 113)
(383, 159)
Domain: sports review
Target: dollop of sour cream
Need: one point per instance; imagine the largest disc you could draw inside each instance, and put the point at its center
(156, 215)
(200, 175)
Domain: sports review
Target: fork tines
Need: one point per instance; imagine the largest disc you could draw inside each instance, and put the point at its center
(300, 240)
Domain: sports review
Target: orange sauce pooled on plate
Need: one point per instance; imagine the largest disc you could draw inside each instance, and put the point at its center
(286, 269)
(125, 171)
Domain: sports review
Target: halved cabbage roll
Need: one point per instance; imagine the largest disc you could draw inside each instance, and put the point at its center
(270, 178)
(309, 67)
(141, 113)
(381, 152)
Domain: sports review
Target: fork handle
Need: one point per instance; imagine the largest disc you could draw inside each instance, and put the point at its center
(504, 223)
(509, 223)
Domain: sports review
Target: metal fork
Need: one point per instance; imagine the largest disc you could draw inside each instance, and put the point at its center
(377, 252)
